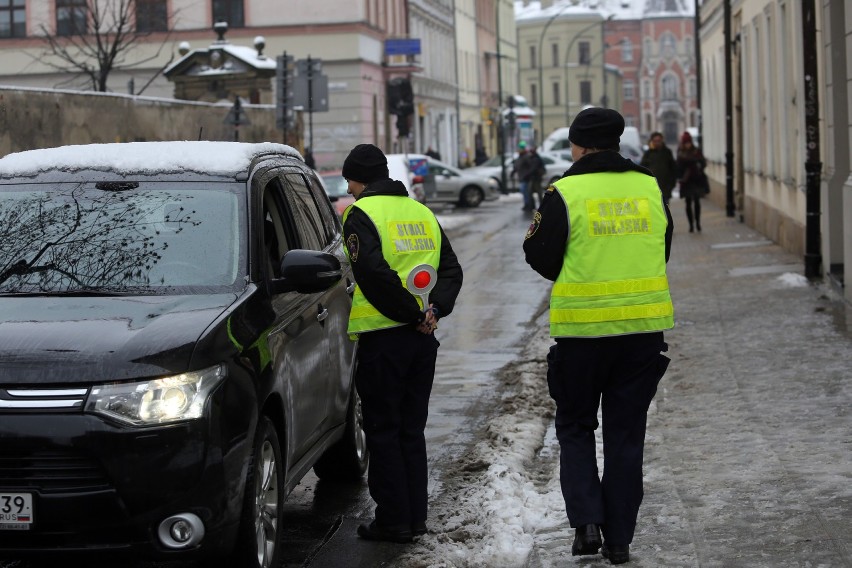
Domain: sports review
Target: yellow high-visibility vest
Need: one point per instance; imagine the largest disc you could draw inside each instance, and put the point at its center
(410, 236)
(613, 278)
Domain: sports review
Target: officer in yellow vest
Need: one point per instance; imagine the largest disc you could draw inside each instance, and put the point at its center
(388, 234)
(603, 236)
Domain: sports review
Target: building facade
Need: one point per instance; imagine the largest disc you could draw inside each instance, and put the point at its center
(668, 83)
(784, 121)
(636, 56)
(453, 76)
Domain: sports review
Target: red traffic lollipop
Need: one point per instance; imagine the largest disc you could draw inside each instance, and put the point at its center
(421, 280)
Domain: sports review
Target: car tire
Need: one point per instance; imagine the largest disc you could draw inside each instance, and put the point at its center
(471, 196)
(347, 460)
(259, 539)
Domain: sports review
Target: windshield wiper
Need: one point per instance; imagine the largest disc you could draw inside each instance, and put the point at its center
(83, 293)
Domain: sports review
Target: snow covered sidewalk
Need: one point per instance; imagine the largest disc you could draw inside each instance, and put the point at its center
(749, 444)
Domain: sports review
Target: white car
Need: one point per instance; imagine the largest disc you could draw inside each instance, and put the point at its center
(555, 167)
(445, 183)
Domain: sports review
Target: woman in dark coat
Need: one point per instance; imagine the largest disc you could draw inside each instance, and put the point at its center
(690, 168)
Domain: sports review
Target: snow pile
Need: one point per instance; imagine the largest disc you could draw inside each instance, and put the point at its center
(793, 280)
(501, 493)
(449, 222)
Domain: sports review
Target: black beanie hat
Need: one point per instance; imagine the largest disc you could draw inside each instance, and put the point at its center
(366, 164)
(598, 128)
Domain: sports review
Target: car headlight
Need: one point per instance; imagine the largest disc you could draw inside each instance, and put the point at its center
(157, 401)
(493, 184)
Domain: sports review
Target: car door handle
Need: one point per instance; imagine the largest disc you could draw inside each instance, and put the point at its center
(350, 288)
(322, 313)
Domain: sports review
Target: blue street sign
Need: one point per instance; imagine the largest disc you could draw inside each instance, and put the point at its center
(402, 46)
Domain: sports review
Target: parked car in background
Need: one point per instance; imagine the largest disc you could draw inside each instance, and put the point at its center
(400, 169)
(444, 183)
(337, 189)
(173, 350)
(554, 167)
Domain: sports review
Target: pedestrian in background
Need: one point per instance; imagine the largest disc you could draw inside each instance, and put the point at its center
(387, 235)
(538, 172)
(692, 180)
(524, 167)
(659, 159)
(309, 159)
(434, 154)
(603, 236)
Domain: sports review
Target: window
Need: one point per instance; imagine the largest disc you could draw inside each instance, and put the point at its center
(668, 88)
(534, 95)
(151, 16)
(312, 229)
(556, 94)
(533, 59)
(230, 11)
(647, 90)
(626, 50)
(584, 53)
(554, 52)
(668, 45)
(585, 92)
(629, 90)
(71, 17)
(13, 18)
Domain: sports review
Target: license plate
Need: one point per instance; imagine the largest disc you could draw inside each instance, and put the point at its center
(16, 511)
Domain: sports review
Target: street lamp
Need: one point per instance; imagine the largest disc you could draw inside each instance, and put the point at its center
(567, 59)
(541, 71)
(501, 150)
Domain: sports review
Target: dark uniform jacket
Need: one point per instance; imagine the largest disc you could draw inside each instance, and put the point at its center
(662, 163)
(380, 284)
(547, 237)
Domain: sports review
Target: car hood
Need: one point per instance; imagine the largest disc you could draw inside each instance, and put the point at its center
(88, 340)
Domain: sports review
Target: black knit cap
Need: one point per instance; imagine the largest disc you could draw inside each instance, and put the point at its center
(598, 128)
(366, 164)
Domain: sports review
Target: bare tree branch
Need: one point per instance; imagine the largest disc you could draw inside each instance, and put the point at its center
(110, 34)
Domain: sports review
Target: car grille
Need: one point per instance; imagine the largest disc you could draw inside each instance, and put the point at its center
(42, 399)
(50, 471)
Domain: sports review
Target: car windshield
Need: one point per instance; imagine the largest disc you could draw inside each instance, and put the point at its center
(492, 162)
(335, 186)
(117, 237)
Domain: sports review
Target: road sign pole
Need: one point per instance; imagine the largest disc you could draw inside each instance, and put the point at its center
(310, 103)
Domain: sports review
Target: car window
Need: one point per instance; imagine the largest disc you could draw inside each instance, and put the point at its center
(547, 161)
(330, 219)
(275, 239)
(120, 236)
(336, 185)
(312, 230)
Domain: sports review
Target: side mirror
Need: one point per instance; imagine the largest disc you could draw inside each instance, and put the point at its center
(307, 272)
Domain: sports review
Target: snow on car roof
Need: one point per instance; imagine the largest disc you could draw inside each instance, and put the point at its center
(141, 157)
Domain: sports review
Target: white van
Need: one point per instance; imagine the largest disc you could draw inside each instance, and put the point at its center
(631, 146)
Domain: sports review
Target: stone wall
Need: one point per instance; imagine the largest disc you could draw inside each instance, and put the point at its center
(32, 119)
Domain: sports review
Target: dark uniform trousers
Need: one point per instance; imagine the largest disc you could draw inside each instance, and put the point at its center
(620, 374)
(396, 368)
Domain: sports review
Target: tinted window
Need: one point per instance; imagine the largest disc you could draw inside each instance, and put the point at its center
(309, 222)
(130, 237)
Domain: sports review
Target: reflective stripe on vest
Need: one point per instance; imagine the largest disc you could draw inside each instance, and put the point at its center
(410, 236)
(613, 278)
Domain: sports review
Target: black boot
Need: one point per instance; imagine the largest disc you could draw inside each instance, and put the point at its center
(616, 553)
(587, 540)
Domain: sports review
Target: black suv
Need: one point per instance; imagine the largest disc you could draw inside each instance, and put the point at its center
(173, 349)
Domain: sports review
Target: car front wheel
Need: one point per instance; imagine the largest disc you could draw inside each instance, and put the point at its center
(471, 196)
(347, 460)
(259, 539)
